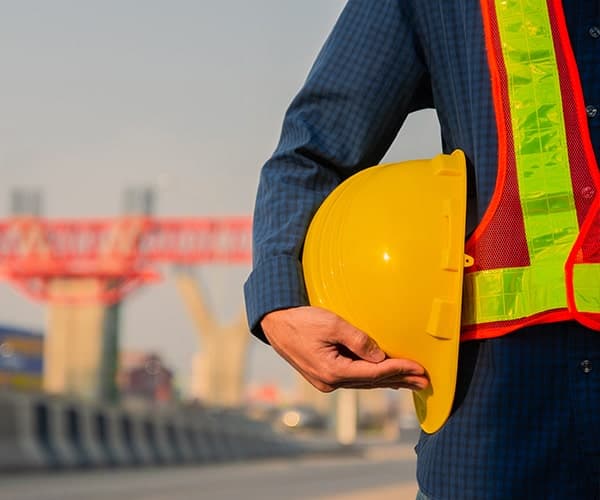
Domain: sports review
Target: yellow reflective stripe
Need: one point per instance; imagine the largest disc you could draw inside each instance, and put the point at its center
(543, 173)
(586, 279)
(537, 120)
(512, 293)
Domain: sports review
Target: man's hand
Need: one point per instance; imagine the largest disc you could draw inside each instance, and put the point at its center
(331, 353)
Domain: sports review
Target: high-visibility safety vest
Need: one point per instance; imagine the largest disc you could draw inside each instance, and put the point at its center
(537, 248)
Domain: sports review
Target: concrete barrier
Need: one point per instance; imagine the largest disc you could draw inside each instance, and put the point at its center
(166, 442)
(244, 436)
(185, 439)
(126, 435)
(63, 447)
(143, 437)
(38, 431)
(112, 430)
(267, 442)
(20, 443)
(223, 432)
(201, 436)
(78, 419)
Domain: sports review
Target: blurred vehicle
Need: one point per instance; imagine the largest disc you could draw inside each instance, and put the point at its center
(299, 417)
(144, 376)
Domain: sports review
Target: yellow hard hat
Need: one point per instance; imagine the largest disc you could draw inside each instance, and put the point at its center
(385, 251)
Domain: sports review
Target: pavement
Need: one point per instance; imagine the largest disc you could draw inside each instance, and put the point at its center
(375, 471)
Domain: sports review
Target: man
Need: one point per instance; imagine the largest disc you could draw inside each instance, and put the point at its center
(516, 86)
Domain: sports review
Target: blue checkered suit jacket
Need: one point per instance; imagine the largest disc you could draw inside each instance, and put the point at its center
(526, 421)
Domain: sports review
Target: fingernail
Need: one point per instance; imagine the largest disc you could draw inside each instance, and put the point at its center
(376, 354)
(419, 386)
(417, 370)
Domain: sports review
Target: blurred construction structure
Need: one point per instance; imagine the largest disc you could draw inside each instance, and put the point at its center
(219, 366)
(84, 269)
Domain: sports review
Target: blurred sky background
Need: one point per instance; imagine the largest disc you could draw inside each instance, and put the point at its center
(184, 95)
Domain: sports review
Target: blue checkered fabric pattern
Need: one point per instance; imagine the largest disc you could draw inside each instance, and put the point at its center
(526, 422)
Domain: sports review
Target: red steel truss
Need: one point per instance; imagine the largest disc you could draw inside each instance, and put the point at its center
(119, 254)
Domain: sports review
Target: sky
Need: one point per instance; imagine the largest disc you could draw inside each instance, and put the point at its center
(186, 96)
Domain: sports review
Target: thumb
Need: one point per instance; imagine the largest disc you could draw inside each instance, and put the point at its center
(360, 343)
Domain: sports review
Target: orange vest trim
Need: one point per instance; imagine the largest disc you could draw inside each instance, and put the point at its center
(504, 220)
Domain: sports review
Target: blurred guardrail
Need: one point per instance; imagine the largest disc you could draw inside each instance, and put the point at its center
(38, 431)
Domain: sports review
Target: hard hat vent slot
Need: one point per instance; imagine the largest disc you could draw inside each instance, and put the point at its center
(452, 245)
(442, 320)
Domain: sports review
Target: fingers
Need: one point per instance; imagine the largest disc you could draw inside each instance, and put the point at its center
(388, 368)
(411, 383)
(390, 373)
(359, 343)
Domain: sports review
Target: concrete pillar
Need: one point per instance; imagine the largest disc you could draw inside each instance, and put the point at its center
(74, 343)
(407, 415)
(346, 415)
(220, 367)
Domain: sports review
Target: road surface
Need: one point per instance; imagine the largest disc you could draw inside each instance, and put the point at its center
(378, 472)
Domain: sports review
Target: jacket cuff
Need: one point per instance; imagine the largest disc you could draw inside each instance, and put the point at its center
(276, 283)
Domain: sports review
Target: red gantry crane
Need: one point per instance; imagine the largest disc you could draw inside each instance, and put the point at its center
(118, 255)
(82, 267)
